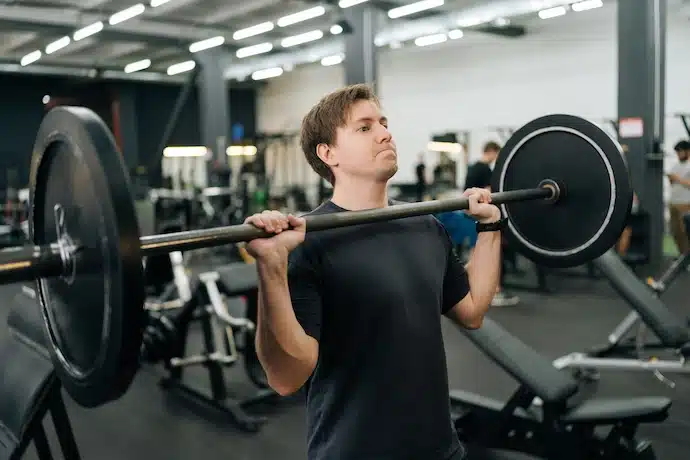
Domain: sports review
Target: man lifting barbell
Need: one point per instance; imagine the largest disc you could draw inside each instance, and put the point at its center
(560, 181)
(357, 313)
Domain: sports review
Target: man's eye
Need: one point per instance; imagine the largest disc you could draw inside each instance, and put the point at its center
(364, 128)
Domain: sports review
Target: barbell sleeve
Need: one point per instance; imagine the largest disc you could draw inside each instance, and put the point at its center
(204, 238)
(26, 263)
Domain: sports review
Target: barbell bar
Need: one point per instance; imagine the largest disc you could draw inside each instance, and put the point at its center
(561, 181)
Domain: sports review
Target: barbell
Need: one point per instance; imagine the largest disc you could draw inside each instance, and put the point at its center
(561, 181)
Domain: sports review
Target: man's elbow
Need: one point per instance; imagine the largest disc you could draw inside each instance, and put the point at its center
(475, 322)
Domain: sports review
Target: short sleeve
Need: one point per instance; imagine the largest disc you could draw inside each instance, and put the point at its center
(304, 282)
(456, 284)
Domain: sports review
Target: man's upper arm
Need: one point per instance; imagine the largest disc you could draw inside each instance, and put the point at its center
(304, 281)
(456, 284)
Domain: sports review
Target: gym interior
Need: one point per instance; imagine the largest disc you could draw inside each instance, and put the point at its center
(177, 120)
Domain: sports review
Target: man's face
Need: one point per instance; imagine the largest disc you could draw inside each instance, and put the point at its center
(683, 154)
(364, 147)
(492, 154)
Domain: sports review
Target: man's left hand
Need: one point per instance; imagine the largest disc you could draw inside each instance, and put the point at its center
(480, 205)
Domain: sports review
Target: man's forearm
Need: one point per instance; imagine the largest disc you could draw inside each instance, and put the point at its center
(283, 347)
(484, 270)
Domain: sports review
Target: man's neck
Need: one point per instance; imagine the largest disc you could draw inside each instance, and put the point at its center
(354, 195)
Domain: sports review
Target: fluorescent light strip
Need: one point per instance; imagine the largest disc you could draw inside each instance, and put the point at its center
(185, 152)
(413, 8)
(87, 31)
(58, 45)
(241, 151)
(138, 66)
(349, 3)
(586, 5)
(305, 15)
(301, 38)
(127, 14)
(31, 58)
(336, 29)
(253, 30)
(267, 73)
(332, 60)
(181, 67)
(447, 147)
(253, 50)
(552, 12)
(455, 34)
(155, 3)
(431, 40)
(209, 43)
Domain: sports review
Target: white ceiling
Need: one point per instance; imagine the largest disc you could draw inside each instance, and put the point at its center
(163, 33)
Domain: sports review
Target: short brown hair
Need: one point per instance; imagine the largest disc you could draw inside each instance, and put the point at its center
(492, 146)
(320, 124)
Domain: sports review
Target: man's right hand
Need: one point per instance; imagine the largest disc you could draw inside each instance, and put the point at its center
(289, 232)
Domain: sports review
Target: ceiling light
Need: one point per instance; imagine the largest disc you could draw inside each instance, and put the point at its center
(88, 31)
(455, 34)
(155, 3)
(206, 44)
(332, 60)
(586, 5)
(431, 40)
(254, 50)
(58, 45)
(187, 151)
(413, 8)
(349, 3)
(181, 67)
(267, 73)
(301, 38)
(336, 29)
(126, 14)
(500, 22)
(552, 12)
(305, 15)
(138, 66)
(253, 30)
(31, 58)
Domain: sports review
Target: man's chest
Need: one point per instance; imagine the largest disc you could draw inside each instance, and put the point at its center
(384, 268)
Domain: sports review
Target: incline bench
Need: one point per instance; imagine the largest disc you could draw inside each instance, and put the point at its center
(29, 388)
(617, 354)
(560, 427)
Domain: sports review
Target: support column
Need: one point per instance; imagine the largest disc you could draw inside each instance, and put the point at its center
(127, 112)
(360, 50)
(214, 107)
(641, 81)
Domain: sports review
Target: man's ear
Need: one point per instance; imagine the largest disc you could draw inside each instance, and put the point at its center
(326, 154)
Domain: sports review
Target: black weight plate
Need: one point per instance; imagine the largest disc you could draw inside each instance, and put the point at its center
(94, 315)
(596, 193)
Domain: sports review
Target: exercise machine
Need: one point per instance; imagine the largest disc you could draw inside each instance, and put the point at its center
(224, 303)
(628, 355)
(567, 424)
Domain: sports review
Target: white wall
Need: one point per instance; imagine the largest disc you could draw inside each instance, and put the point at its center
(566, 65)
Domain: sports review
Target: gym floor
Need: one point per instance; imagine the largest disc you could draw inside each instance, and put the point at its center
(148, 424)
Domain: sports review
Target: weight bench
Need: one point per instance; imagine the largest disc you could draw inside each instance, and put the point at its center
(562, 424)
(224, 302)
(626, 355)
(29, 388)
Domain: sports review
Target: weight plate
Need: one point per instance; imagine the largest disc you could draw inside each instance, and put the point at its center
(94, 314)
(596, 195)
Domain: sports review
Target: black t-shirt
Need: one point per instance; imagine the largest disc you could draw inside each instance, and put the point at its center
(478, 175)
(373, 295)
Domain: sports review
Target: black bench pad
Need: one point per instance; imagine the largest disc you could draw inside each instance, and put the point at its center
(610, 411)
(596, 411)
(523, 363)
(238, 278)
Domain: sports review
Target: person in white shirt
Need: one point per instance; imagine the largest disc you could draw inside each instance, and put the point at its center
(679, 203)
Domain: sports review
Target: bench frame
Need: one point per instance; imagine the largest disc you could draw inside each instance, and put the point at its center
(624, 352)
(520, 426)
